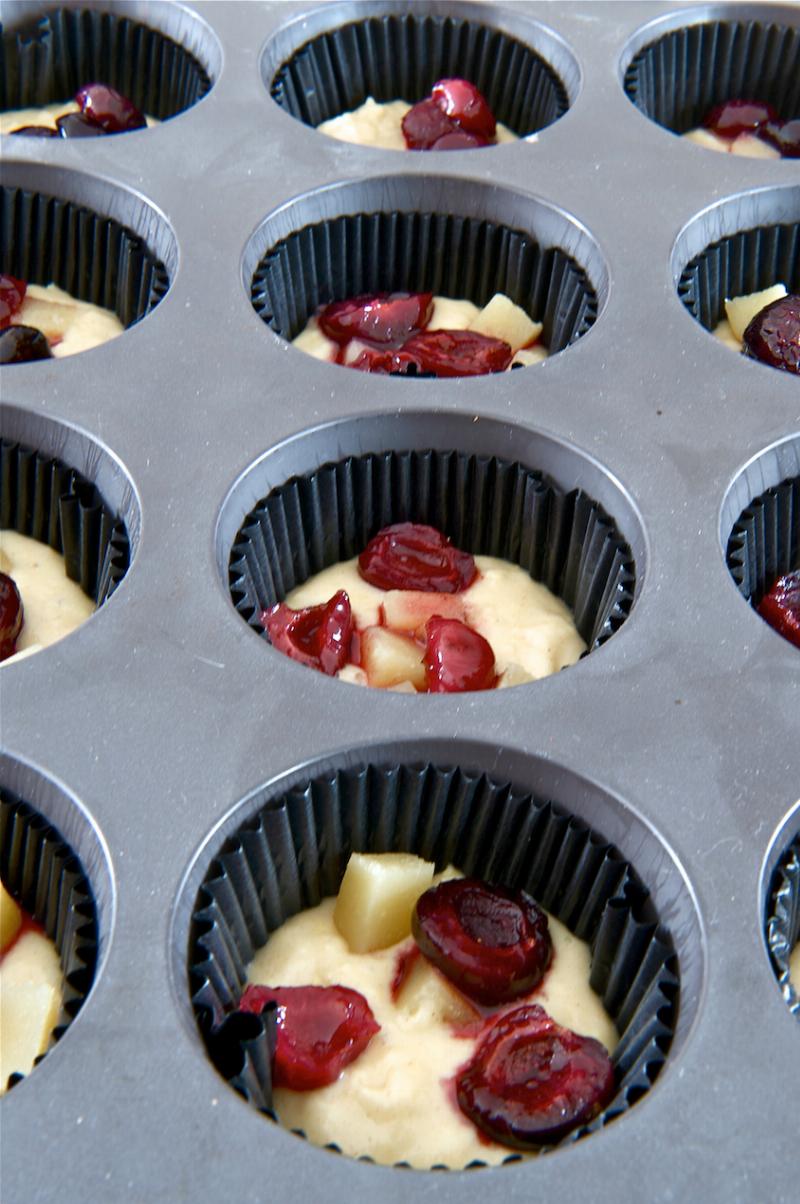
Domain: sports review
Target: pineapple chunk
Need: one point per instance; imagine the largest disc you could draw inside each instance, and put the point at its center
(389, 658)
(28, 1015)
(410, 609)
(32, 961)
(376, 898)
(10, 918)
(427, 998)
(741, 310)
(502, 319)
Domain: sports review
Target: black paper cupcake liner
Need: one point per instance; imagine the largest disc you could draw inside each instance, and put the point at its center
(783, 922)
(47, 500)
(458, 257)
(678, 78)
(46, 878)
(294, 852)
(401, 56)
(765, 541)
(46, 59)
(47, 240)
(486, 505)
(742, 263)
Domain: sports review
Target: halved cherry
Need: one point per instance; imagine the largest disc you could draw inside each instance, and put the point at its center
(104, 106)
(21, 344)
(736, 117)
(459, 140)
(781, 607)
(11, 616)
(77, 125)
(492, 944)
(773, 335)
(784, 136)
(424, 123)
(457, 658)
(458, 352)
(317, 636)
(384, 318)
(415, 556)
(530, 1082)
(319, 1031)
(36, 131)
(463, 103)
(12, 294)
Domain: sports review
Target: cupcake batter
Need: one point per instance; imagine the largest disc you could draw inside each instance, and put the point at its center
(14, 119)
(69, 325)
(747, 145)
(30, 990)
(393, 1103)
(381, 125)
(53, 605)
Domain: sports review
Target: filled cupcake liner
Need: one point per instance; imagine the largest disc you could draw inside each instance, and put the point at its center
(742, 263)
(783, 921)
(401, 56)
(485, 505)
(52, 241)
(461, 257)
(294, 852)
(678, 78)
(765, 541)
(46, 878)
(47, 59)
(47, 500)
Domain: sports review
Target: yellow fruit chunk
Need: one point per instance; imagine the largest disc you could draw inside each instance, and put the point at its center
(32, 961)
(428, 999)
(410, 609)
(502, 319)
(10, 918)
(28, 1015)
(389, 658)
(377, 896)
(741, 310)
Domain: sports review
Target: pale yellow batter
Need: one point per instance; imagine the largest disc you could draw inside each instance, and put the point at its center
(531, 631)
(393, 1102)
(30, 992)
(747, 145)
(381, 125)
(53, 606)
(69, 325)
(47, 115)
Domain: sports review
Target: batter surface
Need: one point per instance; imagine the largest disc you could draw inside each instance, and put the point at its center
(69, 325)
(30, 994)
(13, 119)
(381, 125)
(747, 145)
(53, 606)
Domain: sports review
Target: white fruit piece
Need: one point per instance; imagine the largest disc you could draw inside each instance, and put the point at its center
(426, 998)
(502, 319)
(410, 609)
(32, 961)
(741, 310)
(390, 659)
(376, 898)
(751, 147)
(10, 918)
(28, 1015)
(708, 139)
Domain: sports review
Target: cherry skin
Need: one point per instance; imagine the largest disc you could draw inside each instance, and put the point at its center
(21, 344)
(425, 123)
(773, 335)
(320, 1031)
(458, 352)
(736, 117)
(11, 616)
(456, 658)
(784, 136)
(530, 1082)
(459, 140)
(781, 607)
(12, 294)
(36, 131)
(492, 944)
(77, 125)
(317, 636)
(383, 318)
(415, 556)
(102, 105)
(462, 102)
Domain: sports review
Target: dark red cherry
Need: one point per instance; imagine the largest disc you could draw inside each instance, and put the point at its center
(736, 117)
(415, 556)
(781, 607)
(456, 658)
(530, 1082)
(36, 131)
(425, 123)
(12, 294)
(113, 112)
(458, 352)
(319, 1031)
(20, 344)
(77, 125)
(773, 335)
(492, 944)
(784, 136)
(384, 318)
(318, 636)
(463, 103)
(459, 140)
(11, 616)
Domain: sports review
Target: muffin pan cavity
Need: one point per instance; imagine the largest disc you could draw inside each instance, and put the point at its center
(161, 56)
(328, 63)
(680, 66)
(782, 908)
(574, 847)
(542, 511)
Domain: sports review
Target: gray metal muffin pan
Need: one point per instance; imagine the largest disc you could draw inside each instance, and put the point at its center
(144, 735)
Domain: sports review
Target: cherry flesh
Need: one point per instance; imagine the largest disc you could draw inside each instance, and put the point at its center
(21, 344)
(530, 1082)
(77, 125)
(317, 636)
(102, 105)
(736, 117)
(415, 556)
(494, 945)
(773, 335)
(784, 136)
(781, 607)
(12, 294)
(458, 352)
(425, 124)
(320, 1031)
(456, 658)
(36, 131)
(462, 102)
(11, 616)
(459, 140)
(384, 318)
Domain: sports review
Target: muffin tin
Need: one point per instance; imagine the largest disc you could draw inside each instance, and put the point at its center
(162, 736)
